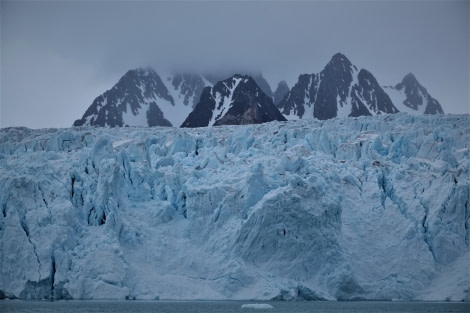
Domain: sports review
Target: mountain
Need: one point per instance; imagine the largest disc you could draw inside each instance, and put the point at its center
(142, 98)
(237, 100)
(372, 208)
(339, 90)
(281, 90)
(214, 78)
(409, 96)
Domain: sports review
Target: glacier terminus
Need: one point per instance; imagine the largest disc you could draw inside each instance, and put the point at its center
(369, 207)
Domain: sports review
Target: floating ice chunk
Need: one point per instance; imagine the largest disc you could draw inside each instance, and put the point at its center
(257, 306)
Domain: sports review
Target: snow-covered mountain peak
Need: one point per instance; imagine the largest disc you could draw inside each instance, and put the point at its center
(231, 83)
(258, 77)
(339, 90)
(135, 100)
(235, 100)
(411, 97)
(142, 98)
(340, 58)
(341, 66)
(150, 84)
(409, 81)
(368, 97)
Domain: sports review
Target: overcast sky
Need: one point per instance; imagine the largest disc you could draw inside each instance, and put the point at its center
(57, 56)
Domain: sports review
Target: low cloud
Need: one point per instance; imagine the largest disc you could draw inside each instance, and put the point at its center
(281, 39)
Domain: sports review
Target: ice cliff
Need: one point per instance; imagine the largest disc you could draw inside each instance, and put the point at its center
(356, 208)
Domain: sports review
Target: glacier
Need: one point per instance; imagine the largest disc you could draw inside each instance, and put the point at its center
(373, 208)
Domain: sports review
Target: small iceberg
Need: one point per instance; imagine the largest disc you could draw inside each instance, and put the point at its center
(257, 306)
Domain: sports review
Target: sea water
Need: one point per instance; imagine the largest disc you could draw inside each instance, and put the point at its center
(227, 307)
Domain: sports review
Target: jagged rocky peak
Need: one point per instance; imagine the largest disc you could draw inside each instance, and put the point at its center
(339, 72)
(340, 63)
(135, 100)
(281, 91)
(258, 77)
(139, 84)
(298, 102)
(334, 87)
(339, 90)
(237, 100)
(368, 98)
(142, 98)
(409, 81)
(411, 97)
(147, 80)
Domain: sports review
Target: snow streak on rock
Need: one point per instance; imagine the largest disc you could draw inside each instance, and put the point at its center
(341, 90)
(356, 208)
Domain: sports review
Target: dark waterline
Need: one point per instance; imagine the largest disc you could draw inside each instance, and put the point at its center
(227, 307)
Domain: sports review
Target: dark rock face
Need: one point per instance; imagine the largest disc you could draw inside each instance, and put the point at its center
(322, 93)
(214, 78)
(235, 101)
(417, 97)
(335, 80)
(134, 89)
(281, 90)
(155, 116)
(301, 96)
(142, 98)
(202, 113)
(368, 96)
(340, 89)
(250, 106)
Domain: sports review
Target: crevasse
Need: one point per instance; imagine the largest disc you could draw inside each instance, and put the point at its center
(353, 208)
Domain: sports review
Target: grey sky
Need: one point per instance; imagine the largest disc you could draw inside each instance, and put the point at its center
(57, 56)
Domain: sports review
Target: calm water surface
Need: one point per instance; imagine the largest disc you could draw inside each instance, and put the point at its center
(226, 307)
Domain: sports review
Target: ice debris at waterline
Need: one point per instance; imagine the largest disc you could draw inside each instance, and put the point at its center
(355, 208)
(257, 306)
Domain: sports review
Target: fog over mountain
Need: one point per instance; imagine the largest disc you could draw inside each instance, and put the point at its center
(54, 63)
(142, 98)
(349, 181)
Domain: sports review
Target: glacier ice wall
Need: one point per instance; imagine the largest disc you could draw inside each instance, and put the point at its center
(357, 208)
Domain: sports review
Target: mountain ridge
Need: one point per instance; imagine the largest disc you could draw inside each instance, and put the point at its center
(341, 89)
(142, 98)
